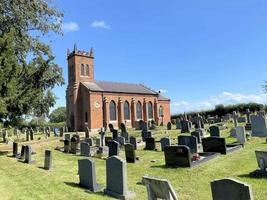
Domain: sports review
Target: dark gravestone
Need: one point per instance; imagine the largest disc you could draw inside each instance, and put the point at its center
(150, 144)
(215, 131)
(133, 142)
(85, 149)
(87, 132)
(111, 128)
(61, 131)
(214, 144)
(189, 141)
(77, 138)
(197, 134)
(66, 146)
(28, 154)
(120, 140)
(129, 153)
(27, 135)
(177, 156)
(116, 178)
(165, 142)
(146, 134)
(89, 141)
(67, 136)
(87, 175)
(114, 134)
(107, 140)
(185, 126)
(15, 149)
(31, 133)
(169, 126)
(113, 148)
(230, 189)
(73, 145)
(22, 152)
(48, 160)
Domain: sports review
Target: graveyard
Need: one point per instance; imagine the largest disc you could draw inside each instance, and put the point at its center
(31, 181)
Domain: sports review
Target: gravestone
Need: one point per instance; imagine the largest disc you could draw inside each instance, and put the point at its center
(169, 126)
(178, 123)
(98, 142)
(111, 128)
(102, 135)
(28, 154)
(48, 160)
(107, 140)
(214, 144)
(133, 142)
(124, 132)
(189, 141)
(185, 126)
(164, 142)
(146, 134)
(116, 179)
(235, 116)
(215, 131)
(27, 135)
(87, 132)
(233, 132)
(66, 146)
(261, 159)
(177, 156)
(22, 152)
(114, 134)
(258, 125)
(230, 189)
(150, 144)
(129, 153)
(89, 141)
(31, 133)
(120, 140)
(87, 175)
(241, 134)
(61, 131)
(73, 145)
(159, 189)
(248, 116)
(85, 149)
(67, 136)
(197, 134)
(113, 148)
(15, 149)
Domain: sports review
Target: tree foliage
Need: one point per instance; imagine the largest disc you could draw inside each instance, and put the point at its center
(58, 115)
(28, 72)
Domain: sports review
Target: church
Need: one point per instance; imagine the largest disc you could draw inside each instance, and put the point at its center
(95, 104)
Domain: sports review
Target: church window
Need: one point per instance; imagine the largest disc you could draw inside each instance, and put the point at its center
(112, 111)
(150, 110)
(126, 110)
(139, 110)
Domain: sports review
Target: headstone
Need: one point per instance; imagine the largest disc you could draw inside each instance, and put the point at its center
(67, 136)
(150, 144)
(178, 123)
(22, 152)
(261, 159)
(215, 131)
(87, 132)
(146, 134)
(102, 135)
(116, 179)
(107, 140)
(113, 148)
(73, 145)
(61, 131)
(241, 134)
(120, 140)
(87, 175)
(111, 128)
(169, 126)
(159, 189)
(230, 189)
(28, 154)
(185, 126)
(114, 134)
(66, 146)
(129, 153)
(27, 135)
(15, 149)
(189, 141)
(89, 141)
(133, 142)
(235, 116)
(177, 156)
(258, 125)
(85, 149)
(164, 142)
(31, 133)
(214, 144)
(48, 160)
(197, 134)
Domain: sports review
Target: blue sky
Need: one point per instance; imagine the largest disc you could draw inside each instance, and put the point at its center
(199, 53)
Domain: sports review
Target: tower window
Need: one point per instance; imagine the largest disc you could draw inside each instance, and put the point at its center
(87, 70)
(82, 70)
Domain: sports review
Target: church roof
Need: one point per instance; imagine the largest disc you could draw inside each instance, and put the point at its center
(107, 86)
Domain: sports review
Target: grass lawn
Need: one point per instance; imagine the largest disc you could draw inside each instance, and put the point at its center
(23, 181)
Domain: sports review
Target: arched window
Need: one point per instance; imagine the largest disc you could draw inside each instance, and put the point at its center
(160, 111)
(138, 110)
(112, 111)
(126, 109)
(150, 110)
(87, 70)
(86, 117)
(82, 70)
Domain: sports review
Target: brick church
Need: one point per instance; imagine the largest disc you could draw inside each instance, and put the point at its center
(96, 104)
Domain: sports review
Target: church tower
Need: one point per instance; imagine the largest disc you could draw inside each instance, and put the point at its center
(80, 69)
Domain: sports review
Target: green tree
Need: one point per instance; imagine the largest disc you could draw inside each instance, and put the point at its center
(27, 69)
(58, 115)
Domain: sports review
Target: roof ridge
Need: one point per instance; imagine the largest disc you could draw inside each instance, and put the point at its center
(117, 82)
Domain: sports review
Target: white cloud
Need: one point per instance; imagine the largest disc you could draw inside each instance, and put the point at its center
(163, 91)
(225, 98)
(100, 24)
(70, 26)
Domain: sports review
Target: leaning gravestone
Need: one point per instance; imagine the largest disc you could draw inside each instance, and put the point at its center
(241, 134)
(113, 148)
(230, 189)
(48, 160)
(164, 142)
(133, 142)
(87, 175)
(85, 149)
(159, 189)
(258, 125)
(15, 149)
(261, 172)
(150, 144)
(129, 153)
(215, 131)
(22, 152)
(116, 179)
(28, 154)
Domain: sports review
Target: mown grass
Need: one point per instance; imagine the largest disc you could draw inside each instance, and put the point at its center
(23, 181)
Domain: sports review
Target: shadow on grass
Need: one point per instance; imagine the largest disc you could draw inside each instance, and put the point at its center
(77, 185)
(72, 184)
(248, 176)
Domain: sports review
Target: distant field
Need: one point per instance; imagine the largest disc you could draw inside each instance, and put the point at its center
(23, 181)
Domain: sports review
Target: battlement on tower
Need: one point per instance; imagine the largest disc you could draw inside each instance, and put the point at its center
(89, 54)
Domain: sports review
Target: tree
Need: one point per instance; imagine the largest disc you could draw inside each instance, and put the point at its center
(27, 69)
(58, 115)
